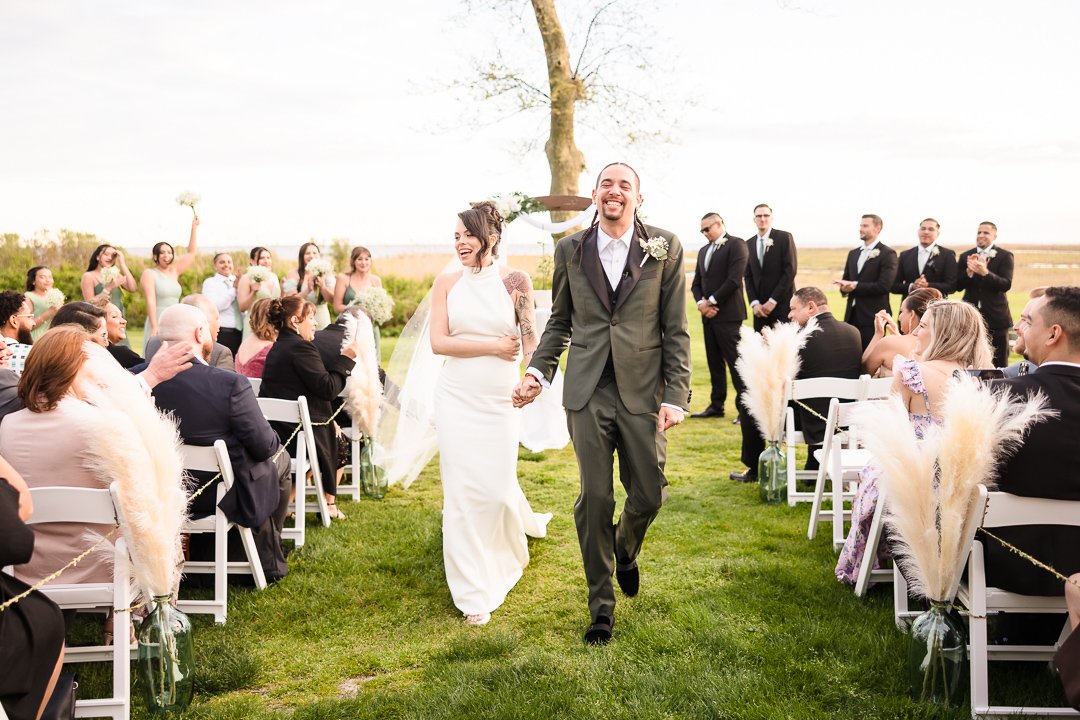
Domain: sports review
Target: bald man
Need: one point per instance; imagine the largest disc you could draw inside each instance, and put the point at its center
(220, 356)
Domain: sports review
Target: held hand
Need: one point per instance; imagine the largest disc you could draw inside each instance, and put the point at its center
(668, 417)
(526, 391)
(508, 347)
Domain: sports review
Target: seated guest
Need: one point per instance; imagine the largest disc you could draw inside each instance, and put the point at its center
(87, 316)
(878, 357)
(9, 385)
(294, 368)
(251, 357)
(31, 630)
(951, 336)
(210, 404)
(17, 316)
(47, 442)
(116, 327)
(1024, 366)
(1045, 465)
(832, 351)
(221, 356)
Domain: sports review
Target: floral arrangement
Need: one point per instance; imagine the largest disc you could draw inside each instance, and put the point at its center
(376, 302)
(935, 252)
(54, 298)
(655, 247)
(319, 267)
(516, 203)
(258, 274)
(873, 254)
(991, 253)
(109, 275)
(767, 363)
(768, 243)
(188, 199)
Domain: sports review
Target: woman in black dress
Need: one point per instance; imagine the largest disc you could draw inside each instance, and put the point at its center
(31, 630)
(294, 368)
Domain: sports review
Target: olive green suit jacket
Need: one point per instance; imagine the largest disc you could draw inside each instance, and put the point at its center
(645, 331)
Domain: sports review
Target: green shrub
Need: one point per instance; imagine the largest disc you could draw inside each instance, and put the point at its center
(407, 294)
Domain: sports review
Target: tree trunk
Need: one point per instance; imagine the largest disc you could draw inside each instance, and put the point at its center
(564, 159)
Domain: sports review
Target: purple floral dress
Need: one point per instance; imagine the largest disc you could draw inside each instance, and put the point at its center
(862, 508)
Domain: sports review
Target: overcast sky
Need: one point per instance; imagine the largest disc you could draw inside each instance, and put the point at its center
(324, 119)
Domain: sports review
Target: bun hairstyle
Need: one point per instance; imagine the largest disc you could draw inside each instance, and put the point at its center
(918, 300)
(482, 221)
(281, 310)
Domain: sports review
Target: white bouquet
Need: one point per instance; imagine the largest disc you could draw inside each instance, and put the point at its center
(258, 274)
(188, 199)
(319, 267)
(54, 298)
(109, 274)
(376, 302)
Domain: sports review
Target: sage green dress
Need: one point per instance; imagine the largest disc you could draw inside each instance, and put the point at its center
(346, 299)
(116, 297)
(167, 291)
(40, 306)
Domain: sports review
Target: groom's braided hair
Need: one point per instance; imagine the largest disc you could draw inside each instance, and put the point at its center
(483, 220)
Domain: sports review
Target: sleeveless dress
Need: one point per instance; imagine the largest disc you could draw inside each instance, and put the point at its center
(274, 292)
(116, 297)
(485, 514)
(253, 368)
(322, 309)
(167, 291)
(40, 306)
(865, 502)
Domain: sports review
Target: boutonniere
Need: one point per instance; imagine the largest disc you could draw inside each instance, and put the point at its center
(768, 244)
(654, 247)
(991, 253)
(873, 254)
(935, 251)
(720, 240)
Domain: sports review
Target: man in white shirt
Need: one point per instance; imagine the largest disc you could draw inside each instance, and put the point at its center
(17, 315)
(220, 288)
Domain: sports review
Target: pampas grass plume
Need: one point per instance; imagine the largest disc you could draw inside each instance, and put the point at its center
(767, 362)
(363, 393)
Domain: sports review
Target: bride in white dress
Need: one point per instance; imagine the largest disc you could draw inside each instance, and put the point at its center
(481, 316)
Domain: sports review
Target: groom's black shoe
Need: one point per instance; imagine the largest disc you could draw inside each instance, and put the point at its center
(709, 412)
(600, 630)
(629, 581)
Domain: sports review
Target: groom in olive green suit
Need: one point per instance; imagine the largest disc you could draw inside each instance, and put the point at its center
(621, 308)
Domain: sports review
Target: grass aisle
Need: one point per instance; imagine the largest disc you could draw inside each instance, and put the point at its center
(739, 616)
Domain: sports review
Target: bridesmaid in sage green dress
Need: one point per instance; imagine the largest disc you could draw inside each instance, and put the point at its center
(39, 281)
(317, 290)
(161, 283)
(106, 256)
(349, 284)
(247, 292)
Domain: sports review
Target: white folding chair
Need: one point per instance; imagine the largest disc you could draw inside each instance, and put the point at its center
(1005, 510)
(91, 506)
(800, 391)
(839, 467)
(353, 487)
(295, 412)
(876, 388)
(215, 458)
(256, 385)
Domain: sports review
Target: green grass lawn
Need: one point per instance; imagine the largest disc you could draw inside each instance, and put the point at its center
(739, 616)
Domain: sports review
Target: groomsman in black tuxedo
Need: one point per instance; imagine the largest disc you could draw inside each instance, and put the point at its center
(985, 274)
(718, 290)
(926, 265)
(770, 270)
(1045, 464)
(868, 276)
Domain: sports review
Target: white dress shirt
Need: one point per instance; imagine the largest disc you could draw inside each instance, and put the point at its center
(613, 252)
(222, 293)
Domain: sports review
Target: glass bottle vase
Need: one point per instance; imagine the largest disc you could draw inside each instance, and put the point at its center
(772, 474)
(372, 477)
(166, 664)
(935, 657)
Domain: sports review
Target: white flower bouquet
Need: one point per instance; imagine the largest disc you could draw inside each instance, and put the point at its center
(513, 204)
(54, 298)
(376, 302)
(319, 267)
(258, 274)
(109, 275)
(188, 199)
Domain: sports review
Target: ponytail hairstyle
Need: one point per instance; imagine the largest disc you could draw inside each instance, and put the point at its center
(482, 221)
(282, 309)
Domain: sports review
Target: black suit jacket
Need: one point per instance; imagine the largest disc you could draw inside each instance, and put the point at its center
(210, 403)
(940, 271)
(1044, 466)
(875, 282)
(723, 281)
(774, 275)
(833, 351)
(988, 292)
(294, 368)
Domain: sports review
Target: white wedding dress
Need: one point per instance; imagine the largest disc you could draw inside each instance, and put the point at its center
(485, 514)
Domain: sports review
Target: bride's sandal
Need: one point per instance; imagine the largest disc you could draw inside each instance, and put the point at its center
(478, 619)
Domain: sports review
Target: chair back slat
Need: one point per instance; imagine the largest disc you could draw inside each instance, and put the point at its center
(877, 388)
(256, 385)
(824, 387)
(1005, 509)
(278, 410)
(92, 506)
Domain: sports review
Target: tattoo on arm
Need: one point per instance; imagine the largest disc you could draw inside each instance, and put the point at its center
(524, 321)
(515, 281)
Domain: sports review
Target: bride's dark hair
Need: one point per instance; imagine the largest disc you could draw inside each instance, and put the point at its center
(482, 220)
